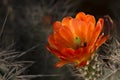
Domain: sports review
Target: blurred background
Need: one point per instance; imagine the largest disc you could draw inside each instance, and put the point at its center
(29, 23)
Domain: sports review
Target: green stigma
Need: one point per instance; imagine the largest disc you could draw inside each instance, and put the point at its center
(77, 40)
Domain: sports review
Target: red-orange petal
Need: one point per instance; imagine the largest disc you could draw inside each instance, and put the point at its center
(60, 43)
(60, 63)
(66, 21)
(81, 16)
(66, 35)
(55, 52)
(96, 32)
(52, 41)
(69, 53)
(78, 28)
(79, 53)
(90, 18)
(91, 26)
(83, 63)
(101, 41)
(57, 25)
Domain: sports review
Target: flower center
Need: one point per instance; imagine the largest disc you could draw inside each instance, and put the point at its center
(79, 43)
(77, 40)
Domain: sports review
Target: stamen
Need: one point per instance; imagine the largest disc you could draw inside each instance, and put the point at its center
(77, 40)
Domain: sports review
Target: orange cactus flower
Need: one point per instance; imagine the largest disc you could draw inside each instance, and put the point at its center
(75, 40)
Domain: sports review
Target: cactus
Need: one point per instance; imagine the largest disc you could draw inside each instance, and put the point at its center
(104, 65)
(10, 69)
(111, 68)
